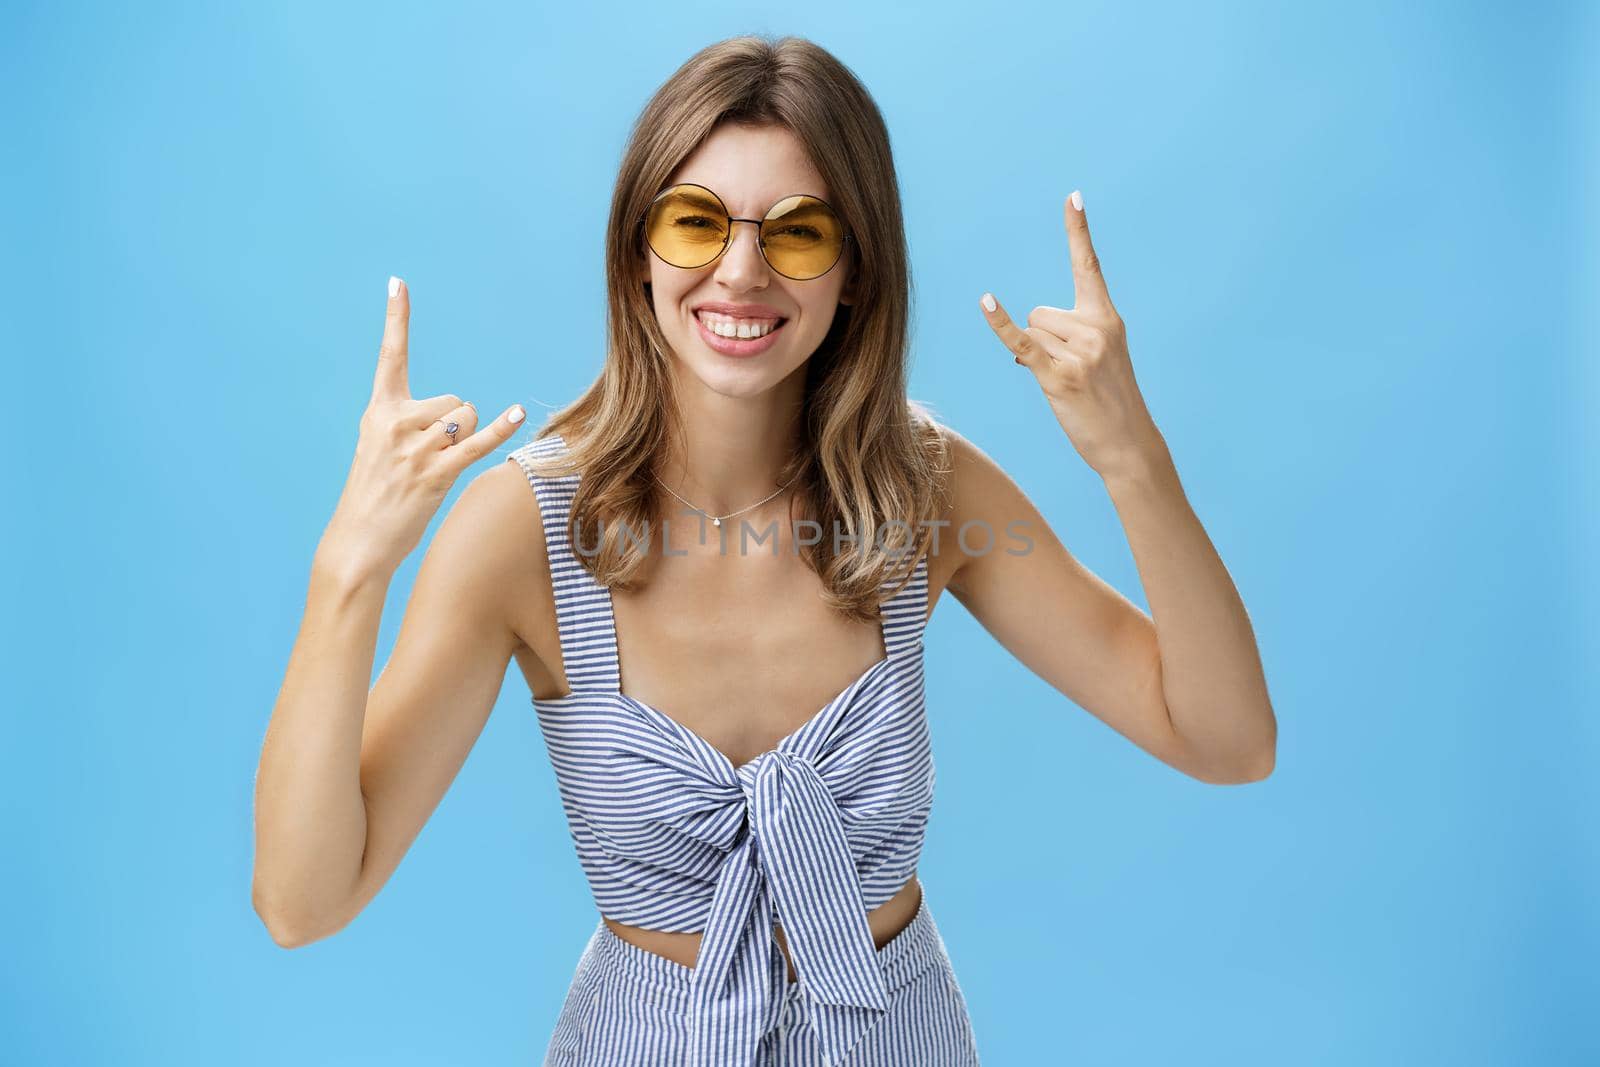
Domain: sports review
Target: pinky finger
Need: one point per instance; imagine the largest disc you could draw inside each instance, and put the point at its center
(1030, 346)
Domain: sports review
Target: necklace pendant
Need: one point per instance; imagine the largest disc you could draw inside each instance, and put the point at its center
(715, 521)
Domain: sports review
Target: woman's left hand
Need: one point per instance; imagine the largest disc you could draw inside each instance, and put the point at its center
(1080, 359)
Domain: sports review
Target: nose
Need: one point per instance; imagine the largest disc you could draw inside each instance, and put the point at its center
(742, 266)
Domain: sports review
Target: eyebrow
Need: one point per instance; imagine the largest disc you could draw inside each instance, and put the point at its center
(699, 199)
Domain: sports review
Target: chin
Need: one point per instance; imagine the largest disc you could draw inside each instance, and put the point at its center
(734, 377)
(735, 381)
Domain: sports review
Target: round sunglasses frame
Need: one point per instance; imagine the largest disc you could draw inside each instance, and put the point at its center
(727, 239)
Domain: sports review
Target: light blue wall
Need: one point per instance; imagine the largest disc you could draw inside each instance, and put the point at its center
(1353, 244)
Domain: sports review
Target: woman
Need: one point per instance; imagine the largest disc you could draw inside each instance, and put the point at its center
(748, 798)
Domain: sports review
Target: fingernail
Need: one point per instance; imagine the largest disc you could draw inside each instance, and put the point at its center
(515, 415)
(988, 302)
(394, 286)
(1017, 360)
(1076, 199)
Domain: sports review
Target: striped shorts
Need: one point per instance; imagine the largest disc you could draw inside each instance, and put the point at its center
(628, 1007)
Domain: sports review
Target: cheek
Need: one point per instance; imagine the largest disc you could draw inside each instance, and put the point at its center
(817, 306)
(819, 315)
(667, 301)
(672, 296)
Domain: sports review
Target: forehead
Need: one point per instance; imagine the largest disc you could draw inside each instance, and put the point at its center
(751, 167)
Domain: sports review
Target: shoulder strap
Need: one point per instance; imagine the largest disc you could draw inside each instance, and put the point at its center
(906, 612)
(583, 605)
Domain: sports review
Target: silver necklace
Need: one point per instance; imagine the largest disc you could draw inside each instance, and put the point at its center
(716, 520)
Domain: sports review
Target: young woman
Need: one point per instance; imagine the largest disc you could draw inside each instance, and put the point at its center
(714, 570)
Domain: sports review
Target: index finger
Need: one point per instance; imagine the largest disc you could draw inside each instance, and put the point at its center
(1088, 284)
(390, 381)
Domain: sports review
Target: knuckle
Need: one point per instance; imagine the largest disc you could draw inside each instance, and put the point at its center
(377, 423)
(416, 459)
(388, 436)
(433, 477)
(441, 473)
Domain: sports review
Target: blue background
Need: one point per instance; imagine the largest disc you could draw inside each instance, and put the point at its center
(1350, 245)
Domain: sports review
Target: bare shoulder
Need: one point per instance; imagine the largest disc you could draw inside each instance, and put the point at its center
(502, 507)
(977, 491)
(480, 554)
(499, 514)
(973, 474)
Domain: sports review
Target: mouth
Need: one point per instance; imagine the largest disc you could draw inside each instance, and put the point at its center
(759, 334)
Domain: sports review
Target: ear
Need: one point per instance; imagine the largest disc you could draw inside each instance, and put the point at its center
(847, 294)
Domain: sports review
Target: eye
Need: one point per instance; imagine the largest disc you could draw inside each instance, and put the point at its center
(798, 231)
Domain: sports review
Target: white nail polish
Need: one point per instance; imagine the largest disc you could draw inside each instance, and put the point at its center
(1077, 200)
(394, 286)
(988, 302)
(516, 415)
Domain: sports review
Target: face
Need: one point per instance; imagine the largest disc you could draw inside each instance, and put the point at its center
(750, 169)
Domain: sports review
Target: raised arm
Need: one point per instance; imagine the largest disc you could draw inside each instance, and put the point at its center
(347, 777)
(1186, 685)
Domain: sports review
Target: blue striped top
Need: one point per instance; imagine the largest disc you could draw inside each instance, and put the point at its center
(672, 836)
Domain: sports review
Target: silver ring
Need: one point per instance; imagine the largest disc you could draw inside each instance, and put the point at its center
(449, 428)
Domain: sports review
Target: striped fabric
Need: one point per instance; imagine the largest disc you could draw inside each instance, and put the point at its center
(811, 834)
(631, 1008)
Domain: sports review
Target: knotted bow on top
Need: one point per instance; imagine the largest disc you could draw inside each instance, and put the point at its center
(792, 863)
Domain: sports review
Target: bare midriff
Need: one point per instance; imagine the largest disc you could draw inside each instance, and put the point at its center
(885, 921)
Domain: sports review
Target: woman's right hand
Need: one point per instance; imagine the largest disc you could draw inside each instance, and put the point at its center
(405, 462)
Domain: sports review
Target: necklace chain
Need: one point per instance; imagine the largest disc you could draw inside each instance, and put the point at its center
(716, 520)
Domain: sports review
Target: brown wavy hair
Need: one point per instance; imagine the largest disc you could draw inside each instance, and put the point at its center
(869, 457)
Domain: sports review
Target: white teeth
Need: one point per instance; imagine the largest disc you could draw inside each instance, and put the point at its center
(736, 328)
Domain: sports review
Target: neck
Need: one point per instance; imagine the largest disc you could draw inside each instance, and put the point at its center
(730, 450)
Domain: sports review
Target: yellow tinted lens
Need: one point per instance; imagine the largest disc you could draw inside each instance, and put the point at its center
(687, 226)
(802, 237)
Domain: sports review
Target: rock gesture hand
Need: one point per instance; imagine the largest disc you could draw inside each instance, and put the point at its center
(408, 455)
(1080, 358)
